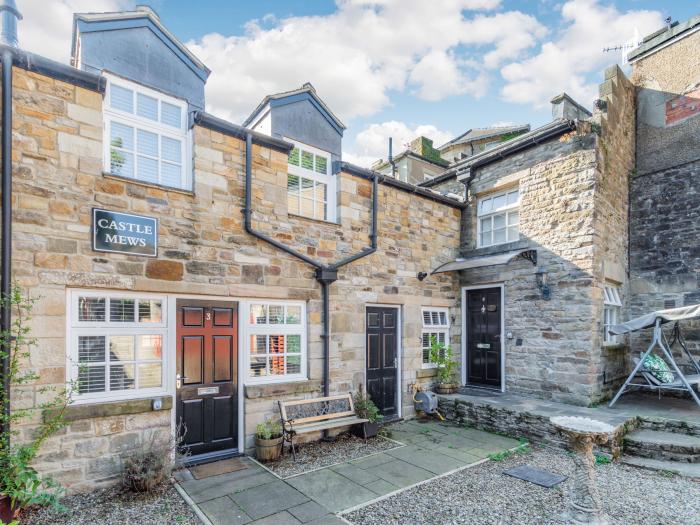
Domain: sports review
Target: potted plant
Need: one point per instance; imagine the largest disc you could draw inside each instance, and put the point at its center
(268, 440)
(366, 409)
(443, 357)
(20, 484)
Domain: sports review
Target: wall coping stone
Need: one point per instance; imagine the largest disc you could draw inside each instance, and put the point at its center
(115, 408)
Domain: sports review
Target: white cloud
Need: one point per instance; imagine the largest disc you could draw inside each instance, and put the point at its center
(47, 25)
(563, 64)
(372, 143)
(364, 50)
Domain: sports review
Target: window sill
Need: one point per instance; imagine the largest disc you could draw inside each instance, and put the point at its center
(311, 219)
(147, 184)
(265, 390)
(93, 409)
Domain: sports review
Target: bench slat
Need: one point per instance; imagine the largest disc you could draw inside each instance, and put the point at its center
(331, 416)
(342, 422)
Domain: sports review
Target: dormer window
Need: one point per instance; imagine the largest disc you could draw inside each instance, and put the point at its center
(146, 136)
(310, 184)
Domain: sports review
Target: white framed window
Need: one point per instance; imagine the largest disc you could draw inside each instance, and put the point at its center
(436, 323)
(498, 218)
(274, 341)
(116, 345)
(311, 185)
(146, 135)
(612, 305)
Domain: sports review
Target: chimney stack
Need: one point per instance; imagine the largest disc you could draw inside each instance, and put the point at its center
(8, 22)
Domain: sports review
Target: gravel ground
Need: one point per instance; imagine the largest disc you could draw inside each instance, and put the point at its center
(318, 454)
(112, 507)
(483, 494)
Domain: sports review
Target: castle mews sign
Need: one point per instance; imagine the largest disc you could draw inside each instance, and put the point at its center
(117, 232)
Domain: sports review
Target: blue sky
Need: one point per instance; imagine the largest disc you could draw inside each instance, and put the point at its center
(391, 67)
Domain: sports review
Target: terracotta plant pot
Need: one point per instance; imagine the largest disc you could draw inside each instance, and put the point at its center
(7, 513)
(446, 388)
(367, 430)
(268, 449)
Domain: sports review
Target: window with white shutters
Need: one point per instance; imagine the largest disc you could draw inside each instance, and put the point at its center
(436, 324)
(612, 305)
(311, 186)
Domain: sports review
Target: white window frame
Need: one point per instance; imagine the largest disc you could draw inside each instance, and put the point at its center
(612, 306)
(76, 328)
(327, 178)
(183, 134)
(505, 211)
(248, 329)
(432, 328)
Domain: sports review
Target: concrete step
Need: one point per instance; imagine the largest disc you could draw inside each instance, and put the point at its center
(663, 445)
(688, 470)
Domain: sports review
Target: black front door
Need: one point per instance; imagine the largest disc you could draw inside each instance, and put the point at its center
(484, 337)
(382, 358)
(207, 349)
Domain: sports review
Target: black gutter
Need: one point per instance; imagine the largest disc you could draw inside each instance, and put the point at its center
(227, 128)
(56, 70)
(6, 261)
(325, 274)
(525, 141)
(403, 186)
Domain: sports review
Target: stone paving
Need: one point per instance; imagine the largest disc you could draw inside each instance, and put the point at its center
(255, 496)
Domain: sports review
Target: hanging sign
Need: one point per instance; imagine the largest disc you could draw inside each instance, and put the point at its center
(117, 232)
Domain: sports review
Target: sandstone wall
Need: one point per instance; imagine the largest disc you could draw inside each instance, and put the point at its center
(203, 250)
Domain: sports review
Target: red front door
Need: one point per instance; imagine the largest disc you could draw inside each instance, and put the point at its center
(207, 350)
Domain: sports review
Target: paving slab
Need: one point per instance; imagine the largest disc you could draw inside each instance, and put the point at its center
(381, 487)
(355, 473)
(223, 511)
(280, 518)
(371, 461)
(264, 500)
(431, 461)
(330, 489)
(308, 511)
(400, 473)
(217, 486)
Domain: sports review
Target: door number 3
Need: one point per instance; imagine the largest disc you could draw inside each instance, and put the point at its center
(208, 316)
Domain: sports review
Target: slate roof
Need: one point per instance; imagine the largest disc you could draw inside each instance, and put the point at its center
(484, 133)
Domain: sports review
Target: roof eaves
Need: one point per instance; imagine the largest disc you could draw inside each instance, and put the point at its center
(228, 128)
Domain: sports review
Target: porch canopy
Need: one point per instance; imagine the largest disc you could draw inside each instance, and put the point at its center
(649, 320)
(486, 260)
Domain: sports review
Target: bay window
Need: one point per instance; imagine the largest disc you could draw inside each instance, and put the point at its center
(498, 218)
(146, 135)
(310, 184)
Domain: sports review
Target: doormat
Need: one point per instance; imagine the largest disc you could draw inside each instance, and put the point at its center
(535, 475)
(216, 468)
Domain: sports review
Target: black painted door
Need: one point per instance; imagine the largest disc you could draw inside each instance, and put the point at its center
(207, 348)
(382, 358)
(484, 337)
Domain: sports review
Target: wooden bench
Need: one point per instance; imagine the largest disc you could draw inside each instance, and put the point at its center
(317, 414)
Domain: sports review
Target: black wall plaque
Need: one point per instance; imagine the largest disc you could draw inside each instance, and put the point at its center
(117, 232)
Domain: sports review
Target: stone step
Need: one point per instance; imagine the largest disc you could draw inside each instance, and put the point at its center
(663, 445)
(688, 470)
(680, 426)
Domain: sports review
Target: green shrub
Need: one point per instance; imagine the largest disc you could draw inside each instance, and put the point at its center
(365, 407)
(269, 429)
(443, 357)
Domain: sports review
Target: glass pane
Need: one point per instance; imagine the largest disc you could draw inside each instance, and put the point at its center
(258, 314)
(121, 310)
(320, 212)
(499, 236)
(121, 98)
(121, 377)
(121, 163)
(512, 197)
(292, 184)
(499, 202)
(171, 175)
(307, 160)
(151, 347)
(513, 234)
(146, 106)
(171, 149)
(121, 136)
(91, 379)
(258, 344)
(147, 143)
(321, 191)
(147, 169)
(277, 365)
(435, 317)
(150, 311)
(91, 349)
(427, 320)
(321, 164)
(486, 224)
(294, 344)
(276, 344)
(91, 308)
(170, 115)
(307, 208)
(513, 218)
(293, 314)
(276, 313)
(486, 239)
(294, 156)
(307, 188)
(150, 375)
(258, 366)
(294, 364)
(443, 318)
(121, 348)
(484, 206)
(499, 221)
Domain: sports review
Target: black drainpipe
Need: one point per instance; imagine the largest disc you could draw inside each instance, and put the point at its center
(6, 262)
(325, 274)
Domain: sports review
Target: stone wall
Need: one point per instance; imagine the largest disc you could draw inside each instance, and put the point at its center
(203, 250)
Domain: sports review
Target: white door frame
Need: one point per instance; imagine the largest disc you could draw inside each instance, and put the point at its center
(465, 333)
(399, 349)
